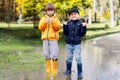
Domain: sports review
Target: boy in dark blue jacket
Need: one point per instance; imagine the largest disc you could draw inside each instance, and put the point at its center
(74, 30)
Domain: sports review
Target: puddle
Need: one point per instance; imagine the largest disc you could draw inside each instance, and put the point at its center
(101, 59)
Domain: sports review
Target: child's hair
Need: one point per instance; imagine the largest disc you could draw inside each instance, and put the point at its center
(50, 6)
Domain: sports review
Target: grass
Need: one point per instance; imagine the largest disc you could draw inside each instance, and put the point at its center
(20, 49)
(100, 29)
(20, 45)
(16, 25)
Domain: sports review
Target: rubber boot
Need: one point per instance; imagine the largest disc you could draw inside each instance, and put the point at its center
(48, 66)
(68, 68)
(54, 66)
(79, 69)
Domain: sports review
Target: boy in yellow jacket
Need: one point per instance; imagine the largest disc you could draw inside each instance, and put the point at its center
(50, 26)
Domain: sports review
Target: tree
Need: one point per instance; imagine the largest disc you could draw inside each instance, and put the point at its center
(118, 12)
(117, 6)
(90, 16)
(112, 13)
(2, 3)
(7, 11)
(101, 10)
(95, 11)
(62, 6)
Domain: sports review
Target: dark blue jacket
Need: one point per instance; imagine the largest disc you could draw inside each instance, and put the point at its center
(74, 30)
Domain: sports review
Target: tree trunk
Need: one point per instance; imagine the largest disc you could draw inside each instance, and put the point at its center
(13, 13)
(101, 10)
(118, 13)
(9, 25)
(9, 13)
(95, 12)
(66, 14)
(90, 17)
(3, 6)
(112, 13)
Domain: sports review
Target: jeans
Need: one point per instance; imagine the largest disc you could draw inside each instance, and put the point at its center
(74, 50)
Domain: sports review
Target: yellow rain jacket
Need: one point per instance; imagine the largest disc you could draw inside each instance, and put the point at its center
(49, 31)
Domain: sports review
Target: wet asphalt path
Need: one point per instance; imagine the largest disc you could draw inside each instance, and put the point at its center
(101, 60)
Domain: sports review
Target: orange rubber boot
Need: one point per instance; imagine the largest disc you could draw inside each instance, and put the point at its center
(54, 67)
(48, 66)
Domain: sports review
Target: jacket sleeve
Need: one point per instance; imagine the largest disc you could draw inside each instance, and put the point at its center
(56, 24)
(42, 24)
(65, 29)
(83, 30)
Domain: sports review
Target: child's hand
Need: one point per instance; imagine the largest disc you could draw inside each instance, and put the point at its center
(47, 20)
(51, 19)
(84, 24)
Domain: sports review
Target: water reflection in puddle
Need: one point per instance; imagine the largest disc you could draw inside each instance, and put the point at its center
(101, 61)
(51, 77)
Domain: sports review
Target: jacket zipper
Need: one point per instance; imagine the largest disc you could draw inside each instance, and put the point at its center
(73, 33)
(55, 34)
(48, 29)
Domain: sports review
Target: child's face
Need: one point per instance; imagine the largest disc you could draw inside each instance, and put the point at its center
(74, 16)
(50, 12)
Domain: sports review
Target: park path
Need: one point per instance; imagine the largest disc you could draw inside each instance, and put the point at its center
(102, 58)
(101, 61)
